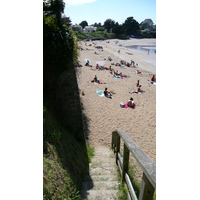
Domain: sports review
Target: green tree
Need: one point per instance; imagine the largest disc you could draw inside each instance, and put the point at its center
(66, 21)
(58, 44)
(97, 24)
(131, 26)
(117, 29)
(83, 24)
(109, 24)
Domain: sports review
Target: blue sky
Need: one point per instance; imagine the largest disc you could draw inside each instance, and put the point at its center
(118, 10)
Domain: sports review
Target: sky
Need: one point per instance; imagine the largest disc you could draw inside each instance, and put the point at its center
(118, 10)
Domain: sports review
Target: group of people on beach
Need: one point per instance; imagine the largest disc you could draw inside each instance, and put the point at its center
(124, 63)
(107, 93)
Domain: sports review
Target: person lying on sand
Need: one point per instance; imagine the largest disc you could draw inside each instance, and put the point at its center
(123, 75)
(139, 90)
(116, 72)
(138, 72)
(108, 68)
(97, 66)
(107, 94)
(129, 53)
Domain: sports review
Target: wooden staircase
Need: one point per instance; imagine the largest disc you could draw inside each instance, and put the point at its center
(101, 182)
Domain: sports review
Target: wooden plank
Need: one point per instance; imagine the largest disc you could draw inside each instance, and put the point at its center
(125, 162)
(118, 147)
(147, 189)
(146, 163)
(112, 142)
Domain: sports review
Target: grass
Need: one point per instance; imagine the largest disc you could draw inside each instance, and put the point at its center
(90, 151)
(123, 189)
(93, 35)
(65, 160)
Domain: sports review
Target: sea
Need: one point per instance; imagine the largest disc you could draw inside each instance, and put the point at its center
(148, 49)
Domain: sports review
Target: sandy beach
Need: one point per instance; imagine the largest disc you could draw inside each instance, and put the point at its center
(105, 115)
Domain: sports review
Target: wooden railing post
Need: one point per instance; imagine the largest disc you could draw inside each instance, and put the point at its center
(112, 142)
(125, 162)
(146, 190)
(117, 147)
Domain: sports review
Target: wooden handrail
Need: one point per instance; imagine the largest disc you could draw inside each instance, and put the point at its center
(147, 165)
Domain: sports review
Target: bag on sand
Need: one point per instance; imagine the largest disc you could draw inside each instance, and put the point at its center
(122, 105)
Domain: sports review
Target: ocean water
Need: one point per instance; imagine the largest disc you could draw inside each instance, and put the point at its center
(148, 49)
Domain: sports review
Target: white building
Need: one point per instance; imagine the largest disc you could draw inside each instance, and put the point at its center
(148, 21)
(76, 27)
(89, 28)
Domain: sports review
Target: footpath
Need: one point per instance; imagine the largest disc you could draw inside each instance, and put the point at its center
(101, 182)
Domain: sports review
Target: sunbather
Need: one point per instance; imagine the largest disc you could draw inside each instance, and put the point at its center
(95, 79)
(153, 79)
(131, 103)
(123, 75)
(138, 83)
(138, 72)
(107, 94)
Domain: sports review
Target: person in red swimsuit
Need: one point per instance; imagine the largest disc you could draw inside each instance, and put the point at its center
(153, 78)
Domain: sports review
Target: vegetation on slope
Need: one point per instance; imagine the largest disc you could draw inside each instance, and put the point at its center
(65, 159)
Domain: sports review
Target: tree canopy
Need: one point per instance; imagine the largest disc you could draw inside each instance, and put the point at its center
(83, 24)
(131, 26)
(58, 42)
(109, 24)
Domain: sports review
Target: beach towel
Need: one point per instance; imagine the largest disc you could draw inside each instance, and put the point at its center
(122, 105)
(100, 93)
(136, 92)
(118, 77)
(152, 82)
(101, 81)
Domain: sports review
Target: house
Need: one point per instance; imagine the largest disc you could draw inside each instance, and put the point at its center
(148, 21)
(77, 27)
(89, 28)
(150, 24)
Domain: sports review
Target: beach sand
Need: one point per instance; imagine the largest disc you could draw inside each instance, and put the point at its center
(103, 115)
